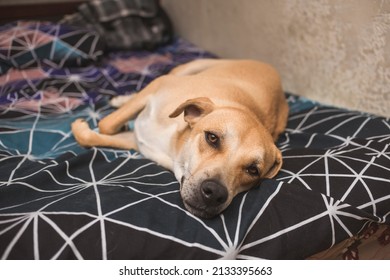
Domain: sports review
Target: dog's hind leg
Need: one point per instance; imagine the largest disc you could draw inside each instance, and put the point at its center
(113, 123)
(119, 101)
(89, 138)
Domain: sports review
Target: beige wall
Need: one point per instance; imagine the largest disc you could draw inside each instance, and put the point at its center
(333, 51)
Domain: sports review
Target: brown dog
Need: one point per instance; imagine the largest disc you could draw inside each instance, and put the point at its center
(234, 110)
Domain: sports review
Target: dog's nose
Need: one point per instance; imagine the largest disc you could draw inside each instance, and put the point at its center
(213, 193)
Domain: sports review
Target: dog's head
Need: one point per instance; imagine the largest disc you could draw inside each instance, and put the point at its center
(226, 152)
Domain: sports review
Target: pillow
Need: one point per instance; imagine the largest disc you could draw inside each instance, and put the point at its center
(125, 24)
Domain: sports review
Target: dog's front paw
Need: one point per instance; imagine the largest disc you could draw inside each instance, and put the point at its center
(82, 132)
(118, 101)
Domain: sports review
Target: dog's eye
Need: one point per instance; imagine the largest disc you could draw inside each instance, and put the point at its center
(253, 170)
(212, 139)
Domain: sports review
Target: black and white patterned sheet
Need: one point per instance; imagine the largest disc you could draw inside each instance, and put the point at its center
(60, 201)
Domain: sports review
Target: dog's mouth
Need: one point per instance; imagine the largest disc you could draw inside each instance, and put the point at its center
(202, 212)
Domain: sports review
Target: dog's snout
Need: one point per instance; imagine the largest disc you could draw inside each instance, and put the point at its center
(213, 193)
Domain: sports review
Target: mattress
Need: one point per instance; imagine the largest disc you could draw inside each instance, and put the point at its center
(61, 201)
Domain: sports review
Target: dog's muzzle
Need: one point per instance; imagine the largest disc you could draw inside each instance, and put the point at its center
(207, 199)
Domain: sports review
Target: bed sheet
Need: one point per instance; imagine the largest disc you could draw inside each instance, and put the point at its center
(61, 201)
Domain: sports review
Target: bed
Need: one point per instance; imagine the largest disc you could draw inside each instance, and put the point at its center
(61, 201)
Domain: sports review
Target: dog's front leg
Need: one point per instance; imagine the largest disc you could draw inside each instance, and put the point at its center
(86, 137)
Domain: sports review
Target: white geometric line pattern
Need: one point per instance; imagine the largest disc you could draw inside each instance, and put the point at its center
(60, 201)
(29, 44)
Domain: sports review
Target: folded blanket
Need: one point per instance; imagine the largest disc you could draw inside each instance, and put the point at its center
(125, 24)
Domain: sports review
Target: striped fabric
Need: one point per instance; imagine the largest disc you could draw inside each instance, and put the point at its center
(125, 24)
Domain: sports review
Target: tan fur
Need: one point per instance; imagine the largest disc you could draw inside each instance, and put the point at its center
(238, 102)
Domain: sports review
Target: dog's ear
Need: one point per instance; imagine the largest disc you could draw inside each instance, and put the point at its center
(194, 109)
(277, 164)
